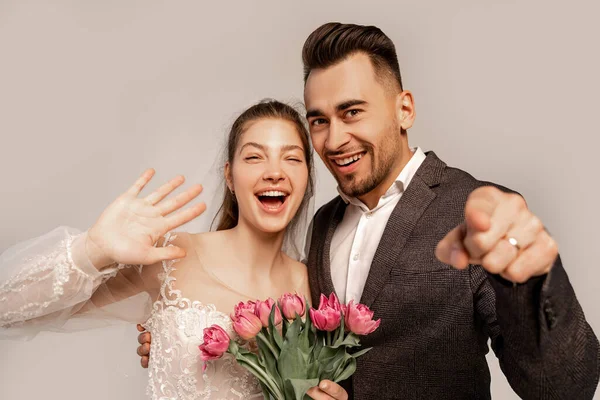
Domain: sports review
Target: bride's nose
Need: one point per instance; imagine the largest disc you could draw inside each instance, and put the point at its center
(274, 173)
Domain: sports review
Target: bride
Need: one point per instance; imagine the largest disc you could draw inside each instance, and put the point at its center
(129, 264)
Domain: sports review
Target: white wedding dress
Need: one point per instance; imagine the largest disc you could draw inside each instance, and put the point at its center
(48, 284)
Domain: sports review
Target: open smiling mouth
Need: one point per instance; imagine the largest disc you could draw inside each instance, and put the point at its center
(272, 200)
(347, 161)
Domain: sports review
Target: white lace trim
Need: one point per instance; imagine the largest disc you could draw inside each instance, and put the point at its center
(54, 269)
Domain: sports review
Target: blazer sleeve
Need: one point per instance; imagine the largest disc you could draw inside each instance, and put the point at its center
(545, 346)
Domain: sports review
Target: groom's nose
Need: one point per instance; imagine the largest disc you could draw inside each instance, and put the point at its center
(337, 136)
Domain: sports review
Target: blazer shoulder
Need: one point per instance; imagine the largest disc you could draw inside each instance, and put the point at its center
(325, 211)
(455, 178)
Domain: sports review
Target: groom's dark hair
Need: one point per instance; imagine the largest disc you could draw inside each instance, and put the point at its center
(334, 42)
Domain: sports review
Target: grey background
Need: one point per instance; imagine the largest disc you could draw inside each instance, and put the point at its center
(93, 92)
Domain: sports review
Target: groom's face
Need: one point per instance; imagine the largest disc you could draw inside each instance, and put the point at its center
(354, 126)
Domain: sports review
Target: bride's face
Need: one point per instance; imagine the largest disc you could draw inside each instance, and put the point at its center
(269, 174)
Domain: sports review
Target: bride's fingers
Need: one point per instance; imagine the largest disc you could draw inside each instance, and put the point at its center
(185, 216)
(164, 253)
(164, 190)
(141, 182)
(179, 201)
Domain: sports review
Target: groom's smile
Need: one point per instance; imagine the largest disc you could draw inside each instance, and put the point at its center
(346, 163)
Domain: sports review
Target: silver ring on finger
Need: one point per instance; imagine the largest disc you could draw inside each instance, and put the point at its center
(513, 242)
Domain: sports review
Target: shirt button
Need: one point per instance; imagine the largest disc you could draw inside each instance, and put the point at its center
(355, 258)
(369, 215)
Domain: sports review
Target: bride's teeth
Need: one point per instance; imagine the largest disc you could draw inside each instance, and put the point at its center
(272, 193)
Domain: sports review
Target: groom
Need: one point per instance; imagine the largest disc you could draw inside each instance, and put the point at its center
(446, 261)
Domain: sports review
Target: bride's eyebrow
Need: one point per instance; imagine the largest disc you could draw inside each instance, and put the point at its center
(285, 147)
(252, 144)
(290, 147)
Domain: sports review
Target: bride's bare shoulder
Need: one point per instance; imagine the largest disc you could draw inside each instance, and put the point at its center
(299, 275)
(209, 243)
(297, 265)
(192, 243)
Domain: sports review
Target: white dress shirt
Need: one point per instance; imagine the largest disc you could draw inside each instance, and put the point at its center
(357, 236)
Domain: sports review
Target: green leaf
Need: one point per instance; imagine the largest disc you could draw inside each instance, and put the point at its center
(338, 362)
(350, 341)
(268, 361)
(317, 346)
(360, 352)
(266, 392)
(305, 335)
(250, 362)
(329, 352)
(292, 334)
(339, 333)
(275, 336)
(347, 372)
(342, 365)
(299, 387)
(309, 329)
(284, 327)
(292, 364)
(233, 347)
(329, 361)
(312, 370)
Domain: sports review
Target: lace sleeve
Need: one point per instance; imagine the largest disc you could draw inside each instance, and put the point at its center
(48, 281)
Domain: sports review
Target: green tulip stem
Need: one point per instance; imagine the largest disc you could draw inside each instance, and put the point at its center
(266, 378)
(266, 341)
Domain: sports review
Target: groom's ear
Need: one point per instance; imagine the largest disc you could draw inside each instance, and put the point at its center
(405, 109)
(228, 178)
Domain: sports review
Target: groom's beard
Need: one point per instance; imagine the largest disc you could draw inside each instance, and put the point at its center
(382, 164)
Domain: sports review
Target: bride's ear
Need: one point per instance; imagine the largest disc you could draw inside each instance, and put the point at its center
(228, 178)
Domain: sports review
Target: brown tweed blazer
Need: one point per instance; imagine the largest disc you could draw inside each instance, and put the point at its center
(436, 321)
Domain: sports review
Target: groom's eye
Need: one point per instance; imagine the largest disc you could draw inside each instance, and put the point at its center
(352, 113)
(319, 121)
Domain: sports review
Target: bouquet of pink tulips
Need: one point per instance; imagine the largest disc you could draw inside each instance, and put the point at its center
(296, 349)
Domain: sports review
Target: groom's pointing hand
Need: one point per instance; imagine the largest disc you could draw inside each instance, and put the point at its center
(500, 234)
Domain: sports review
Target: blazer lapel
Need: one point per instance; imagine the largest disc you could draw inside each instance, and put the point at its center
(325, 281)
(399, 227)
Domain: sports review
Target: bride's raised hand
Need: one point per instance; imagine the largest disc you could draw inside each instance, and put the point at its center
(128, 229)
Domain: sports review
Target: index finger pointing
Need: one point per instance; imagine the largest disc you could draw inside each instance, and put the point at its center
(480, 207)
(450, 249)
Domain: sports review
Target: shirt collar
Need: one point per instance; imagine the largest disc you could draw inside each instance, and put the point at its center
(401, 182)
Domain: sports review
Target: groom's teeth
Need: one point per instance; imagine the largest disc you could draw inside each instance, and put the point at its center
(348, 160)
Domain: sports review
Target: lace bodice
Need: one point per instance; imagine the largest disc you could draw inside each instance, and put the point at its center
(176, 324)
